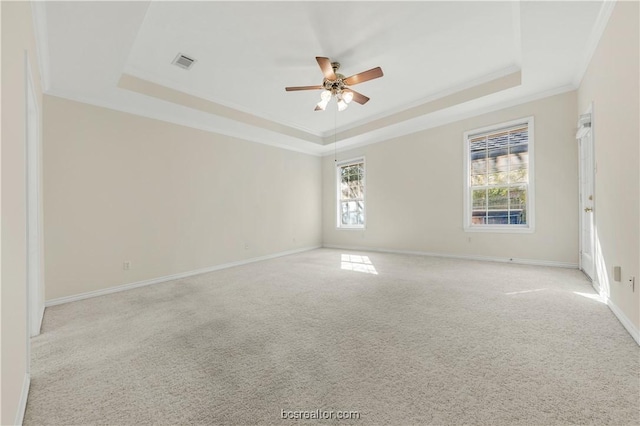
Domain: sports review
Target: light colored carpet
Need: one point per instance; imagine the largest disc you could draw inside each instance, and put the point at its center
(424, 341)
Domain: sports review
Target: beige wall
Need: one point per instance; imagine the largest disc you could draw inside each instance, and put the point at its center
(17, 37)
(612, 84)
(415, 190)
(170, 199)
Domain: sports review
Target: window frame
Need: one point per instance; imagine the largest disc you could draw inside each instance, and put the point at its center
(338, 166)
(467, 188)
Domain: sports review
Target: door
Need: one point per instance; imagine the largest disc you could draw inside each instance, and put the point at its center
(587, 203)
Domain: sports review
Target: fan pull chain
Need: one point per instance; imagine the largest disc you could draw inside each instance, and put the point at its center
(335, 136)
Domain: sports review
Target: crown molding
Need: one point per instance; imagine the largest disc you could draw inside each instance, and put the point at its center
(195, 124)
(328, 136)
(594, 39)
(150, 89)
(416, 127)
(410, 126)
(153, 78)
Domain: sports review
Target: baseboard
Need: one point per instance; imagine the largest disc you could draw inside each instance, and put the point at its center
(594, 283)
(40, 319)
(124, 287)
(22, 404)
(463, 256)
(626, 322)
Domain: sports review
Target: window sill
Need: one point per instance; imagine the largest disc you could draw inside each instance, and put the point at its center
(501, 229)
(350, 228)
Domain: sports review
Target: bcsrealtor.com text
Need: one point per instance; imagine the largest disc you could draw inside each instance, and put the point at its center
(319, 415)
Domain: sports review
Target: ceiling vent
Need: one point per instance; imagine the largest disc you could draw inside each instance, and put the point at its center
(183, 61)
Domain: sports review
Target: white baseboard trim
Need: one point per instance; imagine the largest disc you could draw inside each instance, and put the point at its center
(462, 256)
(626, 322)
(124, 287)
(40, 319)
(22, 404)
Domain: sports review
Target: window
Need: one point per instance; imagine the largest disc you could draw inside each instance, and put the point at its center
(499, 178)
(351, 187)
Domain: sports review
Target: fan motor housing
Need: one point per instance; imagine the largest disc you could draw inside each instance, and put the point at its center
(336, 86)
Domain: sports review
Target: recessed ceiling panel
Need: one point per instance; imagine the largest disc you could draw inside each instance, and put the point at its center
(247, 52)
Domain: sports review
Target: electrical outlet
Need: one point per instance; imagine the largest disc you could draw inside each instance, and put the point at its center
(126, 265)
(632, 282)
(617, 273)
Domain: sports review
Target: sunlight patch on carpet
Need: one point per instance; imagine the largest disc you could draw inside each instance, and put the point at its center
(352, 262)
(591, 296)
(524, 291)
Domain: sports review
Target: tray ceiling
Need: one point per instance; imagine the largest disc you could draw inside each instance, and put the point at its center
(247, 52)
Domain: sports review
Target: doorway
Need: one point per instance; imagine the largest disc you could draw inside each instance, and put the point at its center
(587, 195)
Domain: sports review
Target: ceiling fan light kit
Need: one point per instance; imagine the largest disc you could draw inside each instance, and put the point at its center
(336, 85)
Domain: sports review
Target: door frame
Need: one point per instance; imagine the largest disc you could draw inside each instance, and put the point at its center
(34, 225)
(581, 201)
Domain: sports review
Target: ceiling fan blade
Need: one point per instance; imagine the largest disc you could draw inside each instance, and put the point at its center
(293, 89)
(364, 76)
(325, 66)
(359, 97)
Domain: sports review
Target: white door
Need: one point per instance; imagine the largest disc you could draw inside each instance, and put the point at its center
(587, 203)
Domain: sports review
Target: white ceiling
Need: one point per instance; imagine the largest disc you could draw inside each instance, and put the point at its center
(247, 52)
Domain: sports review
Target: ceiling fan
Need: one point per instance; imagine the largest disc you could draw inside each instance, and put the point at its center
(335, 84)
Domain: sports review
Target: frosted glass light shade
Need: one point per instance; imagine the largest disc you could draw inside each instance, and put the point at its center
(323, 104)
